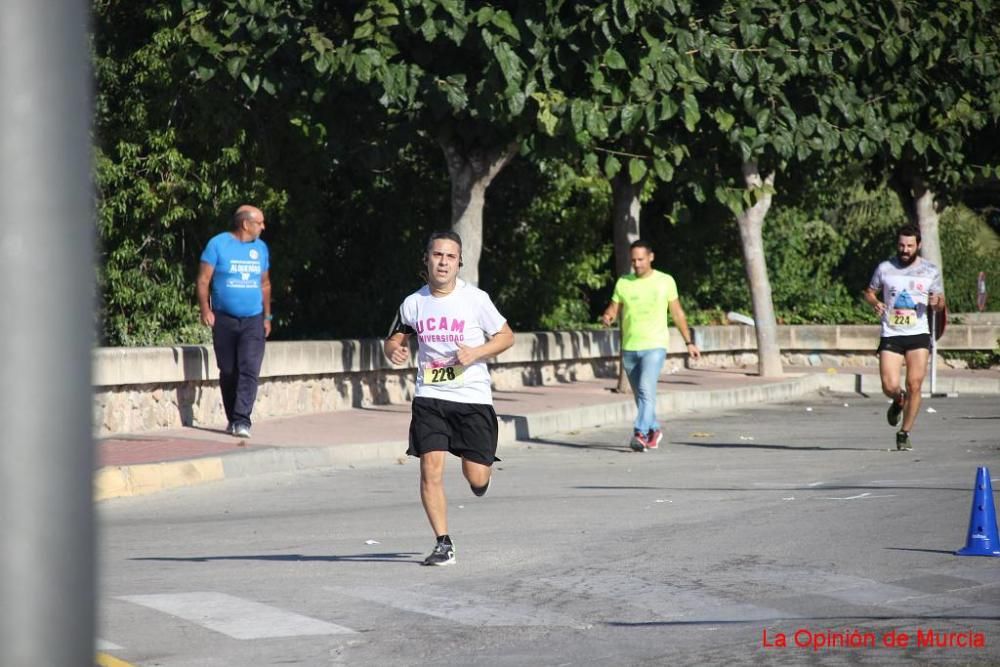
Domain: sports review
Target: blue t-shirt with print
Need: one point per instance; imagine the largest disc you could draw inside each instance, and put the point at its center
(236, 282)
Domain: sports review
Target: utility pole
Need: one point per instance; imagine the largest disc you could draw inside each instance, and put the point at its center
(47, 561)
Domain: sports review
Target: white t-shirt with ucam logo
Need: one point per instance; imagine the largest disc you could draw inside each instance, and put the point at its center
(467, 316)
(905, 291)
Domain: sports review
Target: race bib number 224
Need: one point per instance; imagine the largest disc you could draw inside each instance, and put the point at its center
(903, 318)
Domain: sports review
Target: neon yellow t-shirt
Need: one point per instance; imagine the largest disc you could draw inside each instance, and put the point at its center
(646, 321)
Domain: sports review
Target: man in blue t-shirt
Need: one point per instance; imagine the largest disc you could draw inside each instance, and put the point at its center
(234, 294)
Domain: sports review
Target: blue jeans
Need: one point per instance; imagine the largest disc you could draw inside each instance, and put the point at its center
(643, 370)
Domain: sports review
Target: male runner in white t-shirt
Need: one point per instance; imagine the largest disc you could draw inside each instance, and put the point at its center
(457, 328)
(909, 286)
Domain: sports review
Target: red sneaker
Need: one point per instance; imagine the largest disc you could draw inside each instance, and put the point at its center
(653, 438)
(638, 442)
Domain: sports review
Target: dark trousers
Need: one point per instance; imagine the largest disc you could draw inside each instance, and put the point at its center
(239, 352)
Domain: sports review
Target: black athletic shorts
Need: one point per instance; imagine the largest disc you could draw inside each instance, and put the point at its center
(903, 344)
(468, 430)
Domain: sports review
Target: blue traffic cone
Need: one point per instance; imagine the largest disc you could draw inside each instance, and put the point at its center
(983, 540)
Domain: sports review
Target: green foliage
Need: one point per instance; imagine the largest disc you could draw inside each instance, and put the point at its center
(320, 112)
(470, 67)
(351, 265)
(977, 360)
(821, 255)
(869, 220)
(547, 259)
(803, 254)
(630, 85)
(144, 185)
(174, 157)
(924, 99)
(968, 246)
(707, 265)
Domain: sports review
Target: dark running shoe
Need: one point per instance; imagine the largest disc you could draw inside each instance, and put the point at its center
(443, 554)
(895, 411)
(653, 438)
(903, 441)
(638, 442)
(480, 491)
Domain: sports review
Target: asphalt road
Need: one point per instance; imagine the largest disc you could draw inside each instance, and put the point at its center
(797, 523)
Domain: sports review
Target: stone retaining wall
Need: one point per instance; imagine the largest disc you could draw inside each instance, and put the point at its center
(140, 389)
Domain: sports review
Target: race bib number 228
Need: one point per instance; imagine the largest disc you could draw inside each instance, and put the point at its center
(444, 375)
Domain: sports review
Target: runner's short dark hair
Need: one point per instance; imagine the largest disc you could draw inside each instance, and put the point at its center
(640, 243)
(909, 229)
(448, 235)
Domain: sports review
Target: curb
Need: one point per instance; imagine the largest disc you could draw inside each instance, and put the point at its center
(541, 424)
(134, 480)
(861, 383)
(142, 479)
(138, 480)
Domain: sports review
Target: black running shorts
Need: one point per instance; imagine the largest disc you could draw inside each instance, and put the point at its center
(468, 430)
(903, 344)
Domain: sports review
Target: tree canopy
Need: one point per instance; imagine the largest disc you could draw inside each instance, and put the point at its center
(361, 126)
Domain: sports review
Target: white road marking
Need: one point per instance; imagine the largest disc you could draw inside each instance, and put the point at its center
(896, 481)
(105, 645)
(789, 485)
(779, 485)
(458, 607)
(859, 496)
(236, 617)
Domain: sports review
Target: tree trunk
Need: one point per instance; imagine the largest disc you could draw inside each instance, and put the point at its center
(927, 219)
(751, 223)
(471, 172)
(625, 225)
(921, 209)
(625, 197)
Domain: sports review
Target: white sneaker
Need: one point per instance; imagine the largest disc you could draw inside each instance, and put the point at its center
(443, 554)
(241, 431)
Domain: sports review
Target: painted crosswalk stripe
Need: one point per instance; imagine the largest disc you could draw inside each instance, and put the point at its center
(236, 617)
(105, 645)
(458, 607)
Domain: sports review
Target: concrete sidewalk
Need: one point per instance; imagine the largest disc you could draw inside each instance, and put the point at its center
(150, 462)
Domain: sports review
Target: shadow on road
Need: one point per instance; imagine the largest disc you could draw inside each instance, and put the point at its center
(756, 445)
(622, 448)
(403, 557)
(820, 488)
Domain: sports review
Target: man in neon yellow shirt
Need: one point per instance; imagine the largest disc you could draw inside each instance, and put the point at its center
(647, 296)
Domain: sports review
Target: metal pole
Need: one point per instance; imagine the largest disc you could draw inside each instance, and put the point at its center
(933, 317)
(47, 561)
